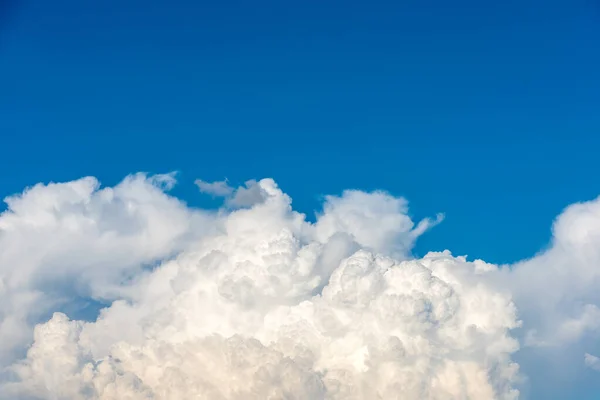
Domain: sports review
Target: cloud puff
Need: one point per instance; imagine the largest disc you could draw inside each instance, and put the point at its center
(60, 241)
(218, 188)
(558, 290)
(592, 361)
(255, 302)
(244, 196)
(379, 329)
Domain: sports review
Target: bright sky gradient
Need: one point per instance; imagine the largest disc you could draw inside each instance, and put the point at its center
(485, 111)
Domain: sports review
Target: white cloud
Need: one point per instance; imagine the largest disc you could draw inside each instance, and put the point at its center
(591, 361)
(558, 291)
(379, 328)
(376, 220)
(254, 302)
(59, 241)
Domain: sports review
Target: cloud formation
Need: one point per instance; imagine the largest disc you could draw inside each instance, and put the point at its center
(254, 302)
(244, 196)
(65, 240)
(218, 188)
(592, 362)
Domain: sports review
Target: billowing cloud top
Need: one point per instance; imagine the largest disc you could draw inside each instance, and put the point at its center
(254, 302)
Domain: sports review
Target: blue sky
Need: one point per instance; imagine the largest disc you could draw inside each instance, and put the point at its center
(485, 111)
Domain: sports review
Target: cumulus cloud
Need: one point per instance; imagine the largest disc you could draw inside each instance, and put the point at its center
(64, 240)
(558, 290)
(255, 302)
